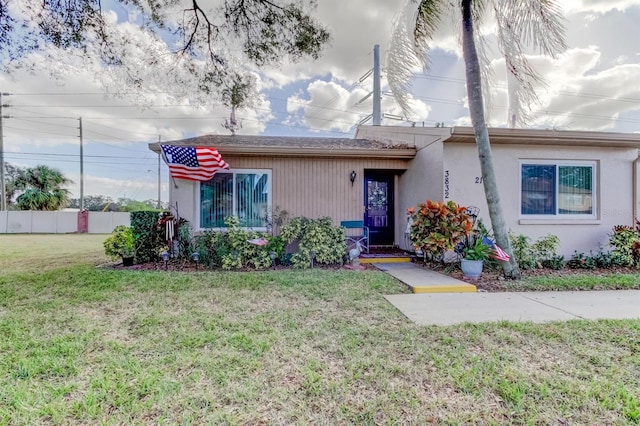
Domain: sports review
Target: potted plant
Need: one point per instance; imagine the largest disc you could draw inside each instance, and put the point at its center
(121, 244)
(473, 257)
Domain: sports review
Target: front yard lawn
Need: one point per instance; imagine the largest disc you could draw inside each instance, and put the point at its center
(81, 345)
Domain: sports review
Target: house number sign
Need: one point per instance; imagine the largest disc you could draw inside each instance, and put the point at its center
(446, 184)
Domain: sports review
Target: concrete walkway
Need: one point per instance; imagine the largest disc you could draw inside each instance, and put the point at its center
(446, 301)
(539, 307)
(423, 280)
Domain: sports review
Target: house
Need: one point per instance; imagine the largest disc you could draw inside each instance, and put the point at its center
(576, 185)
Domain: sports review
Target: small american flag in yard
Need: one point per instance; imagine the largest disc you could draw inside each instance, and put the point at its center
(497, 252)
(193, 162)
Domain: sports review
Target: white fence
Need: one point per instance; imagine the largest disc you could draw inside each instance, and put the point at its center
(31, 222)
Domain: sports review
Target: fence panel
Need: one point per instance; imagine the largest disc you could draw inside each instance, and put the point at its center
(59, 222)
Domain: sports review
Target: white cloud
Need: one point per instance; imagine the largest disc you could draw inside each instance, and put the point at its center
(596, 6)
(331, 106)
(575, 96)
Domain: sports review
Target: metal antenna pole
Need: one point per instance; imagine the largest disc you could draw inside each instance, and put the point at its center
(81, 168)
(159, 162)
(376, 85)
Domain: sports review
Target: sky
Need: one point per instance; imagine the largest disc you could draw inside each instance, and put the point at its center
(593, 85)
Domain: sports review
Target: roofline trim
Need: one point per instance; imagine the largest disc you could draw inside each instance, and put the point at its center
(284, 151)
(547, 137)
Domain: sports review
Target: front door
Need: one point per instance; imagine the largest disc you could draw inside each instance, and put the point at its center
(379, 204)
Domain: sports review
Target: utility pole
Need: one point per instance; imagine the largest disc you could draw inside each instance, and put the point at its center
(81, 168)
(376, 85)
(3, 202)
(159, 162)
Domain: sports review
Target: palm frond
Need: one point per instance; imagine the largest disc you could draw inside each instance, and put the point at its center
(522, 24)
(409, 45)
(538, 23)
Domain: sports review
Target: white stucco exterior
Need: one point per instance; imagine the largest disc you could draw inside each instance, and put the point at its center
(447, 168)
(614, 184)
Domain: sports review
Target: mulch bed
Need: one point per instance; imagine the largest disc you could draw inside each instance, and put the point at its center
(494, 281)
(187, 266)
(489, 281)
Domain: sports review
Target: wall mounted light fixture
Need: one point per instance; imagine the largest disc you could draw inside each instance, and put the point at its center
(352, 177)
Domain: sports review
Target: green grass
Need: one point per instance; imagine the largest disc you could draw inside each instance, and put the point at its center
(584, 281)
(84, 345)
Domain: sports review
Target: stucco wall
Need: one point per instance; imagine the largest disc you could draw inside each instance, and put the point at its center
(424, 178)
(182, 196)
(614, 186)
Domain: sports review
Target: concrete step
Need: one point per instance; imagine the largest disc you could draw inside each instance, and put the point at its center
(386, 259)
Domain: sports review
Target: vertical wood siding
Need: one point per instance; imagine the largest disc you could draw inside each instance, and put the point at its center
(317, 187)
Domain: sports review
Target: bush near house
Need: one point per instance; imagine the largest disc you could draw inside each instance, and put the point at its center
(149, 237)
(238, 248)
(317, 237)
(121, 243)
(438, 227)
(625, 241)
(542, 253)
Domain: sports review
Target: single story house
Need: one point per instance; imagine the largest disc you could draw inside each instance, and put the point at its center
(576, 185)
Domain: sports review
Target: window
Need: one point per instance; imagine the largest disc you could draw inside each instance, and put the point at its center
(562, 190)
(242, 193)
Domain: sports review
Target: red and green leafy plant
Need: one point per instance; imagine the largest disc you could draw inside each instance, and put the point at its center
(438, 226)
(625, 241)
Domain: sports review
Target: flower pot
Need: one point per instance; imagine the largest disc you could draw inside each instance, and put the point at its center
(127, 261)
(471, 269)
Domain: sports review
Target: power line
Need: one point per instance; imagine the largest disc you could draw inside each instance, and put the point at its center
(63, 155)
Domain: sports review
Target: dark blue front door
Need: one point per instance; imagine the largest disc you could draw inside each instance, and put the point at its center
(378, 216)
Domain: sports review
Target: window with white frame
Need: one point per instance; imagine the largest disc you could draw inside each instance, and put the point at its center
(558, 189)
(242, 193)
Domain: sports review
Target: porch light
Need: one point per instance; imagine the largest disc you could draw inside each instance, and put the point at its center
(352, 176)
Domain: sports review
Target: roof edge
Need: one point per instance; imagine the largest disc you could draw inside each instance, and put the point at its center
(548, 137)
(283, 151)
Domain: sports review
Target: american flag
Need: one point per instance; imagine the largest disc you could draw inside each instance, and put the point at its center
(193, 162)
(497, 253)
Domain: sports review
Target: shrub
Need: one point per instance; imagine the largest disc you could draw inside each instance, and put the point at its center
(438, 227)
(121, 242)
(541, 253)
(554, 262)
(522, 251)
(545, 248)
(581, 261)
(624, 240)
(318, 235)
(212, 246)
(240, 253)
(149, 238)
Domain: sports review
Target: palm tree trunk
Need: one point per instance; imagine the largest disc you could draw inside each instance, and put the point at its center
(476, 110)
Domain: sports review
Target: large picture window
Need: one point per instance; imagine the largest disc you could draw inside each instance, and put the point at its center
(242, 193)
(560, 189)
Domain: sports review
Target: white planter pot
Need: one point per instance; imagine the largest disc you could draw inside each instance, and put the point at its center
(471, 269)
